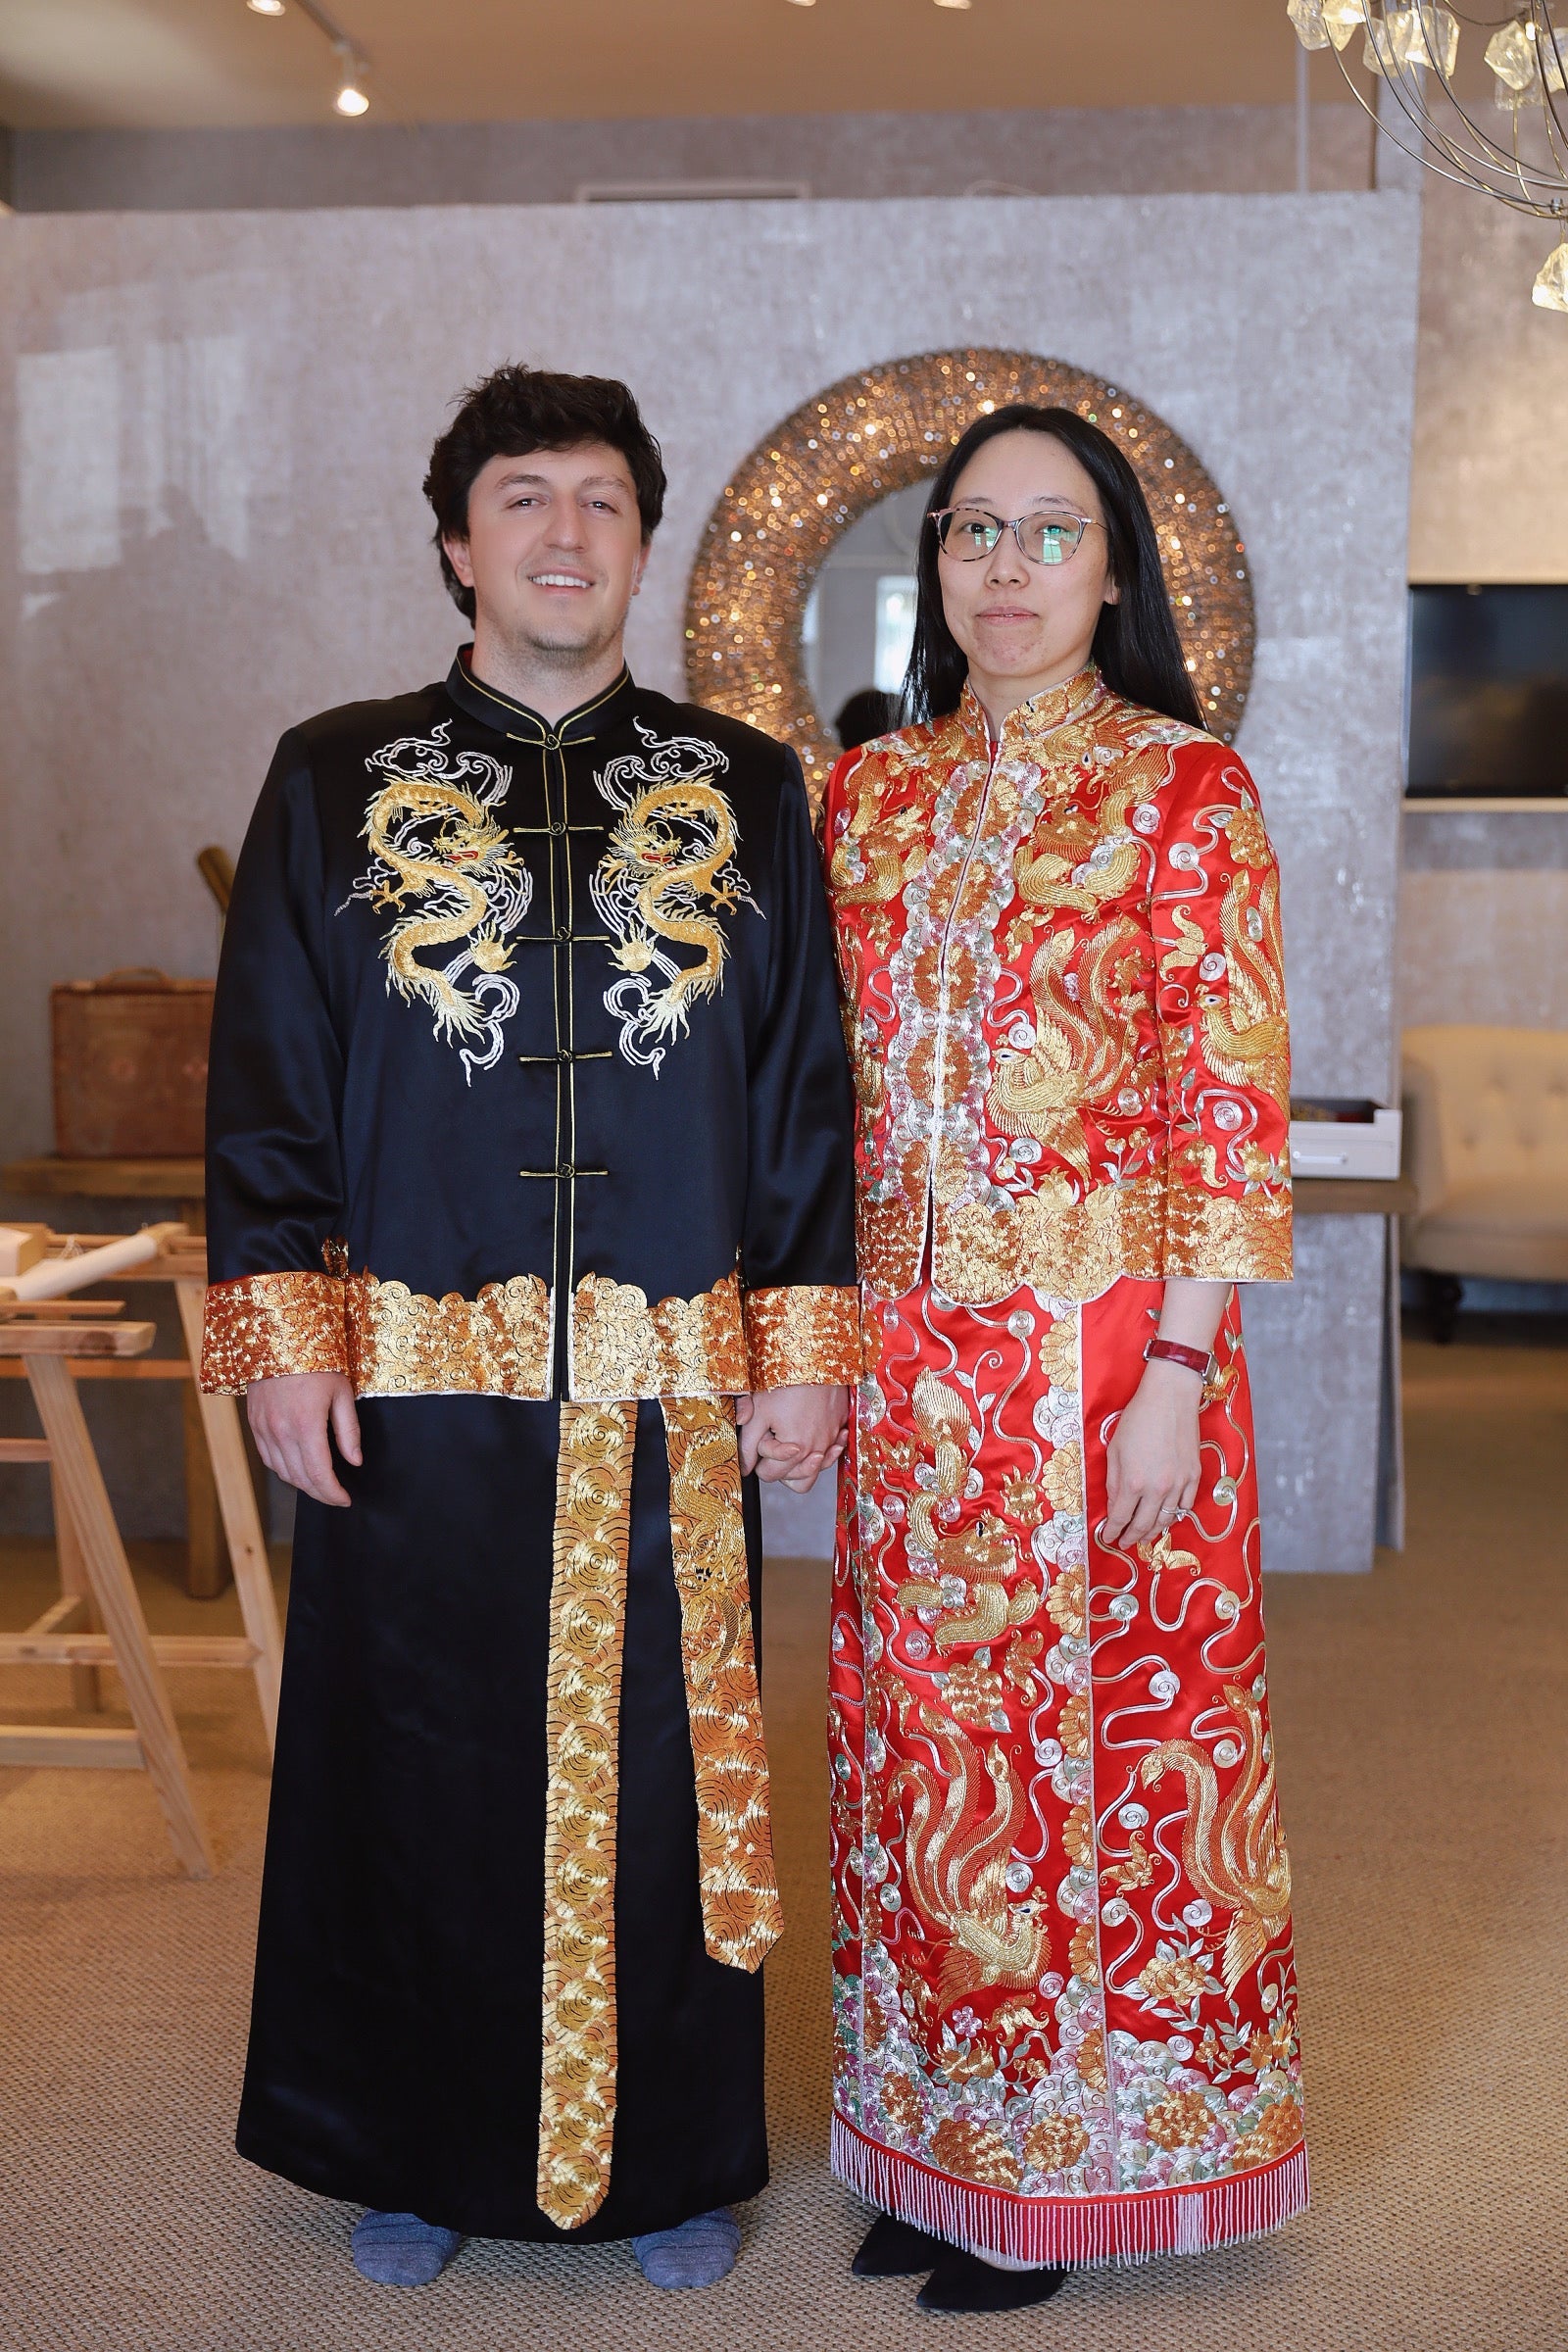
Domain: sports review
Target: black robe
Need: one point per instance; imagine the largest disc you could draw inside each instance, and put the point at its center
(527, 1085)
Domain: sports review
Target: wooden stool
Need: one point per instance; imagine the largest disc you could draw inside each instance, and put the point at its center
(95, 1576)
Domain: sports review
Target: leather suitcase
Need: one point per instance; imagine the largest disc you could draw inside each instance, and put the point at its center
(130, 1066)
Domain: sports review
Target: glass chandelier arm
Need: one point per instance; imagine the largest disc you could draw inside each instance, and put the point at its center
(1482, 165)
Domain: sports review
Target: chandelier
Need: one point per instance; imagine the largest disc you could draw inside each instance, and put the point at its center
(1413, 47)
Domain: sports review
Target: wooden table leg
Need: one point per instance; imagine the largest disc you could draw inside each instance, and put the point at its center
(206, 1557)
(242, 1524)
(75, 1466)
(87, 1692)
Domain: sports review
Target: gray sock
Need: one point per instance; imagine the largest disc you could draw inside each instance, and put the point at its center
(699, 2253)
(398, 2249)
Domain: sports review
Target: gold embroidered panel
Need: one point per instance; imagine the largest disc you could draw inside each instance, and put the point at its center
(876, 432)
(261, 1325)
(802, 1334)
(741, 1915)
(587, 1618)
(402, 1344)
(622, 1347)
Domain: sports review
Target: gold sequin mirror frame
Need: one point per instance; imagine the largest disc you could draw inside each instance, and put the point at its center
(847, 448)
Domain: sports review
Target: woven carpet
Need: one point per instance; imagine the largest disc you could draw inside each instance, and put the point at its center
(1422, 1728)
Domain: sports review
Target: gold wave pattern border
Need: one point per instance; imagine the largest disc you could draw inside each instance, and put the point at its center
(587, 1619)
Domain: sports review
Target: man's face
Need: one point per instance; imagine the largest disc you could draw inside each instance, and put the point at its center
(555, 550)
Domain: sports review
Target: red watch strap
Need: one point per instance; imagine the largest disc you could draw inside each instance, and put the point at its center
(1171, 1351)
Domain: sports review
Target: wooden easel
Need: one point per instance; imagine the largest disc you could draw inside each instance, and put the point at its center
(94, 1574)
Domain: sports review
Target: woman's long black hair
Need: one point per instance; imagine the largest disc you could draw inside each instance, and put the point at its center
(1136, 646)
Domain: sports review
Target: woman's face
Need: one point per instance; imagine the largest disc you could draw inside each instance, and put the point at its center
(1024, 625)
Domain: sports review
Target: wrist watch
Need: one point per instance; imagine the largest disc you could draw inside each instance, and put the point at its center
(1192, 1359)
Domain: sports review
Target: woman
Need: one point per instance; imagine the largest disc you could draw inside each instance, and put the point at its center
(1067, 2000)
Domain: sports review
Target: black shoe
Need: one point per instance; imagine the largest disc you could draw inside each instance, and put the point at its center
(895, 2249)
(961, 2281)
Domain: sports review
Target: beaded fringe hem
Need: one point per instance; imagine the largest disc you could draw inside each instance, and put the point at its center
(1072, 2232)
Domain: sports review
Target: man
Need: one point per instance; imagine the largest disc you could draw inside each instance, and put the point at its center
(529, 1147)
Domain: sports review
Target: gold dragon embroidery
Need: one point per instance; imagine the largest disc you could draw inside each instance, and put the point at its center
(1232, 1852)
(670, 853)
(434, 838)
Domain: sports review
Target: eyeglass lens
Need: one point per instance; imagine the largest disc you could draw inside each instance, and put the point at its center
(970, 534)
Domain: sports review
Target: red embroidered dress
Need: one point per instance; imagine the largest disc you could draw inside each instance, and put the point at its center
(1063, 1966)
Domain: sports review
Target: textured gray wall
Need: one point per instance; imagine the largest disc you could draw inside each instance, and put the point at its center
(1131, 151)
(217, 424)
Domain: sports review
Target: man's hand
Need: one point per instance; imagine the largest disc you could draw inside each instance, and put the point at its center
(1152, 1460)
(290, 1416)
(792, 1434)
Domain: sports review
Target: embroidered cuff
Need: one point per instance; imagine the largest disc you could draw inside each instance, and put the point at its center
(1220, 1238)
(804, 1335)
(266, 1324)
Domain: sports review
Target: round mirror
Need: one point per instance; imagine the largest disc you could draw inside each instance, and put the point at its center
(858, 623)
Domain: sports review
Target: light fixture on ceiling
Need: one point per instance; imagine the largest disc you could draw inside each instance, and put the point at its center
(353, 63)
(1406, 42)
(955, 3)
(351, 99)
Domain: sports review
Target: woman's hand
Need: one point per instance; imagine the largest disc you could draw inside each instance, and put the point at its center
(1152, 1460)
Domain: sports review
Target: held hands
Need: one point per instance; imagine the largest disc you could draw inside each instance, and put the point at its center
(290, 1416)
(792, 1434)
(1152, 1460)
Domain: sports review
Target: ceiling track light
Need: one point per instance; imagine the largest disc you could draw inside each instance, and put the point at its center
(353, 64)
(351, 99)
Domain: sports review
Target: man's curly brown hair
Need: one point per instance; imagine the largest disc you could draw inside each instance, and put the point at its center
(517, 410)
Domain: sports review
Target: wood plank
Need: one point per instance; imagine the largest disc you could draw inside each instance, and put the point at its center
(25, 1746)
(76, 1339)
(54, 1310)
(1355, 1196)
(37, 1647)
(86, 1690)
(156, 1368)
(24, 1449)
(75, 1467)
(57, 1617)
(107, 1179)
(242, 1525)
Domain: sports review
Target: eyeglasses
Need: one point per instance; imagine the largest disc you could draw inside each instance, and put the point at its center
(969, 534)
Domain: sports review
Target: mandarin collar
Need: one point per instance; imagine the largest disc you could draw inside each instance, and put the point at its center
(1041, 716)
(493, 708)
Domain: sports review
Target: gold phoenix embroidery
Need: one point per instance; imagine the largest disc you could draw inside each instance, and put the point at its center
(434, 838)
(262, 1324)
(670, 854)
(1233, 1851)
(741, 1915)
(587, 1615)
(402, 1344)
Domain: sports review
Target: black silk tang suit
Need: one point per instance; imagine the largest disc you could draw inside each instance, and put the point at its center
(529, 1111)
